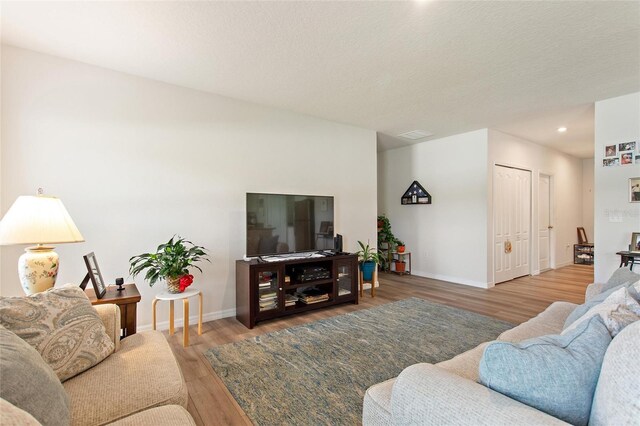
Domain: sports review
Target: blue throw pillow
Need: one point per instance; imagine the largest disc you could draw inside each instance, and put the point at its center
(556, 374)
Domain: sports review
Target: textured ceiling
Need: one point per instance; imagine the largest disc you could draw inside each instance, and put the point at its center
(445, 67)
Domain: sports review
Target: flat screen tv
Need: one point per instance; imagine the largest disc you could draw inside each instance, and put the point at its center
(279, 223)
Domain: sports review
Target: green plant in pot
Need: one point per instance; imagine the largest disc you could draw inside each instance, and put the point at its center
(171, 262)
(400, 246)
(368, 258)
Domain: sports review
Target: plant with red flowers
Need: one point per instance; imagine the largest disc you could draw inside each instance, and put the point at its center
(171, 261)
(185, 281)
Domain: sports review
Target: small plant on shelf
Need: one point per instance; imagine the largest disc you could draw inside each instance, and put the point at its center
(368, 258)
(171, 261)
(400, 246)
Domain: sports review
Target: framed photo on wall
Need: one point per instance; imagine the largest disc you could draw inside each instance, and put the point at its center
(94, 275)
(634, 190)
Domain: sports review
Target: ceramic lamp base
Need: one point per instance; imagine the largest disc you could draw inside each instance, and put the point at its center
(38, 269)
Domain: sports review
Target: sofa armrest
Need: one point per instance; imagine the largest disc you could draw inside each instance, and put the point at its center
(593, 290)
(427, 394)
(110, 315)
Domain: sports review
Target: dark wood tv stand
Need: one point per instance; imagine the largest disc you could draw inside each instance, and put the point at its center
(265, 290)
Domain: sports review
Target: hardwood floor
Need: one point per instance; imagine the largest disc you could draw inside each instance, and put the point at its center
(515, 301)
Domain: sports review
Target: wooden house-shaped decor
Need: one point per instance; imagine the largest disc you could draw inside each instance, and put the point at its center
(416, 194)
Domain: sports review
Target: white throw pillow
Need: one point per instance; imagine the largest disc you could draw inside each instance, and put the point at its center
(617, 311)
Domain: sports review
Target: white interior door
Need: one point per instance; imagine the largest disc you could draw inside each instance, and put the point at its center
(544, 222)
(512, 223)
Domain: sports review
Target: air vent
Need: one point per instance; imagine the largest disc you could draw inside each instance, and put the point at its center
(415, 134)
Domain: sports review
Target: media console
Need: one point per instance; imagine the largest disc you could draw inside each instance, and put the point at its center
(270, 290)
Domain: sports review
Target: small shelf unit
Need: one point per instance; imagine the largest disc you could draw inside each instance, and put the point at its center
(401, 257)
(583, 254)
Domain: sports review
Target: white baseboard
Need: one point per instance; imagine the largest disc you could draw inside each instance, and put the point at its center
(193, 320)
(563, 264)
(455, 280)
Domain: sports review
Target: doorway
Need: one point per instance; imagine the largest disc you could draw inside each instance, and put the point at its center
(512, 223)
(545, 226)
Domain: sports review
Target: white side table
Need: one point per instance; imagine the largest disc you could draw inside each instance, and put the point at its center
(184, 296)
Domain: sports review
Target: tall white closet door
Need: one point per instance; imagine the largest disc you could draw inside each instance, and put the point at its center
(544, 223)
(512, 223)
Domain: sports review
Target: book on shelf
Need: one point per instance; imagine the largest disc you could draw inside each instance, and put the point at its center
(309, 301)
(268, 296)
(290, 299)
(264, 285)
(343, 291)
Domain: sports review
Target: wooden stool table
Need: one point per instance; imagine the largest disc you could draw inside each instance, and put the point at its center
(373, 281)
(184, 296)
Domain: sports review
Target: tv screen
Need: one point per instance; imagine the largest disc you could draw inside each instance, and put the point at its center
(278, 223)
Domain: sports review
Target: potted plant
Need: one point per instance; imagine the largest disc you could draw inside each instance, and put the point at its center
(171, 262)
(400, 266)
(368, 258)
(400, 246)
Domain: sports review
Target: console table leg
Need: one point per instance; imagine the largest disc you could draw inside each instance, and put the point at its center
(185, 329)
(171, 327)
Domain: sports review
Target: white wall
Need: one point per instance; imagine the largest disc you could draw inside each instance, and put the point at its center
(616, 120)
(444, 237)
(587, 196)
(566, 189)
(136, 161)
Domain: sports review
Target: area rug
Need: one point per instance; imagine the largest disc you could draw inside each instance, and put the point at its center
(317, 373)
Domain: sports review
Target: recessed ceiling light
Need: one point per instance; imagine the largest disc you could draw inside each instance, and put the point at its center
(562, 129)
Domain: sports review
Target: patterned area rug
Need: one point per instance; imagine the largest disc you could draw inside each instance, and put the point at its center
(317, 373)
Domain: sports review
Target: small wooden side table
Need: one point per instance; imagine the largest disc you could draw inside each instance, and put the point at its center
(373, 281)
(628, 258)
(127, 300)
(184, 296)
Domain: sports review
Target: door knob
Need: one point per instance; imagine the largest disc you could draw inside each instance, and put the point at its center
(549, 227)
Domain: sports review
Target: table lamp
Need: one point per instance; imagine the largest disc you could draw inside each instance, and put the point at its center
(40, 220)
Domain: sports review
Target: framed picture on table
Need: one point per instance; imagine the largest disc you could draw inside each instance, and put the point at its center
(94, 275)
(635, 242)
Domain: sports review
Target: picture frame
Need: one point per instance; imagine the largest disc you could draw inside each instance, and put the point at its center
(627, 146)
(94, 275)
(582, 236)
(610, 151)
(626, 158)
(635, 242)
(634, 190)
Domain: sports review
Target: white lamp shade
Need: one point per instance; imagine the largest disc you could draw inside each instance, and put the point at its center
(38, 220)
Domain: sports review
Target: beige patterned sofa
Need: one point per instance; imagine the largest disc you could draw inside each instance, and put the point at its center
(139, 384)
(448, 393)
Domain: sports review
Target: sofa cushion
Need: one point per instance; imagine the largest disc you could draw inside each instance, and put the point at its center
(555, 374)
(620, 276)
(63, 327)
(10, 415)
(617, 397)
(142, 374)
(617, 311)
(465, 364)
(550, 321)
(29, 383)
(377, 404)
(167, 415)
